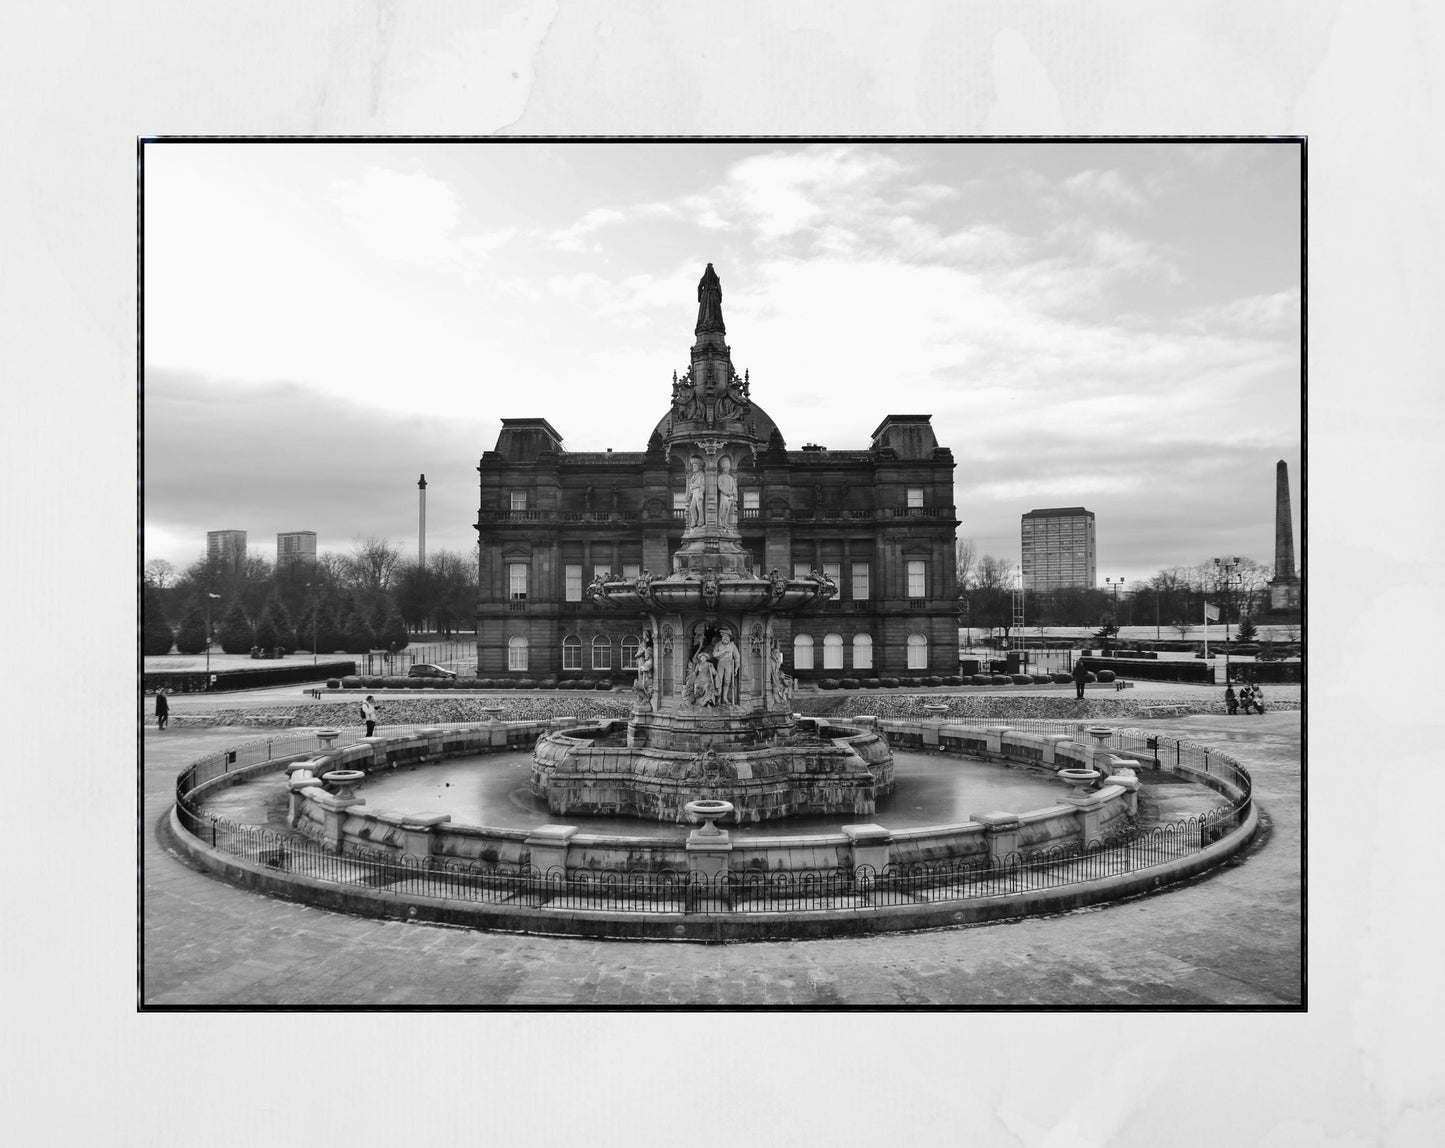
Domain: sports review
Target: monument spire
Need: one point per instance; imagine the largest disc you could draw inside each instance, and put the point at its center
(1283, 531)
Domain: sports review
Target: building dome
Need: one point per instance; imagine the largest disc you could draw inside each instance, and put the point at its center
(761, 422)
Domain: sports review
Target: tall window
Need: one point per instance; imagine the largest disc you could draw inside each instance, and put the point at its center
(917, 652)
(574, 583)
(915, 498)
(516, 653)
(631, 569)
(630, 646)
(752, 499)
(803, 652)
(833, 652)
(862, 652)
(860, 582)
(834, 570)
(519, 500)
(915, 580)
(601, 571)
(801, 569)
(517, 578)
(601, 653)
(679, 502)
(571, 652)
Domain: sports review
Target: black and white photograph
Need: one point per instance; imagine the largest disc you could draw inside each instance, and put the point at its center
(874, 555)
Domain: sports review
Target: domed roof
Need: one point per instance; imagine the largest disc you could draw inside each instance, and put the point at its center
(762, 422)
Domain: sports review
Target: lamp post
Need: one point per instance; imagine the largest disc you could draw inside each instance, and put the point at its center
(208, 636)
(313, 625)
(1114, 584)
(1225, 571)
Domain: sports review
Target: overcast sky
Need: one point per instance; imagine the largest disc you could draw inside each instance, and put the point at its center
(1109, 325)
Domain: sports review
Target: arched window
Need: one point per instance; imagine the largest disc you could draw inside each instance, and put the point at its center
(917, 652)
(803, 652)
(862, 652)
(571, 652)
(833, 651)
(601, 653)
(630, 646)
(517, 653)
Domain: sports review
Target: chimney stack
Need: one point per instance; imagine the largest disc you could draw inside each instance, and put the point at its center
(421, 525)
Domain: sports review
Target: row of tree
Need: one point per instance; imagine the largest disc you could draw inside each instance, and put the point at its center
(1174, 597)
(371, 598)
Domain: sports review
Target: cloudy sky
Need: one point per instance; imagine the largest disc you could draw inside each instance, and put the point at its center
(1111, 325)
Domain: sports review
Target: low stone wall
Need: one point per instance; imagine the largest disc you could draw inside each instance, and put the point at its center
(343, 822)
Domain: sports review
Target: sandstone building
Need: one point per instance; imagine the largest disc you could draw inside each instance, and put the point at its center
(879, 522)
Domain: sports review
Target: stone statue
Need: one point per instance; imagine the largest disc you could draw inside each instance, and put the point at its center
(728, 659)
(614, 498)
(643, 664)
(780, 686)
(703, 690)
(778, 582)
(727, 494)
(733, 402)
(696, 489)
(709, 303)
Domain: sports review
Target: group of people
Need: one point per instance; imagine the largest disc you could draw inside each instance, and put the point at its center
(713, 676)
(1250, 699)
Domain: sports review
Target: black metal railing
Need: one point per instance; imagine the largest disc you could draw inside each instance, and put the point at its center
(671, 891)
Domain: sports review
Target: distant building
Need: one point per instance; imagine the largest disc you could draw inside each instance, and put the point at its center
(228, 545)
(1058, 548)
(296, 546)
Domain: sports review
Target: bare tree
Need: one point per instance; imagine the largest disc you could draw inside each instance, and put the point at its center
(160, 573)
(991, 591)
(372, 563)
(965, 551)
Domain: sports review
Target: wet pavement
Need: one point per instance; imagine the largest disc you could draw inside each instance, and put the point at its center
(1232, 937)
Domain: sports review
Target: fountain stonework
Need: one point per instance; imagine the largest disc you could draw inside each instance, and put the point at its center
(712, 719)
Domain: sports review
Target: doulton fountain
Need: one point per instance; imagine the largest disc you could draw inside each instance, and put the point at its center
(711, 731)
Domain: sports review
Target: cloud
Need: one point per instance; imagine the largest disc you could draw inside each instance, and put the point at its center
(1105, 187)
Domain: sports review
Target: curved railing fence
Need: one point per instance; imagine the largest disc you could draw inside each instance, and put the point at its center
(481, 882)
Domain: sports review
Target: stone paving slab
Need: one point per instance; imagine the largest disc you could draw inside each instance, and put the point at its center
(1230, 938)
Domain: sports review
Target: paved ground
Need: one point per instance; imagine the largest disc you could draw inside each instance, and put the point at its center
(1232, 938)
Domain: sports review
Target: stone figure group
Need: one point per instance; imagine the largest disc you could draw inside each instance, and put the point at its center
(712, 676)
(780, 685)
(727, 494)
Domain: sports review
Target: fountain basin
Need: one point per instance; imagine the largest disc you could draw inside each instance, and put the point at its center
(838, 770)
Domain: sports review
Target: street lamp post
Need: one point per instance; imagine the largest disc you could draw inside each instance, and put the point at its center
(313, 625)
(208, 636)
(1114, 584)
(1225, 572)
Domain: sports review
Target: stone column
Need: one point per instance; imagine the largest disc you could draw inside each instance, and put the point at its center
(1051, 743)
(993, 736)
(547, 845)
(416, 831)
(1087, 810)
(1283, 529)
(1001, 830)
(870, 846)
(335, 809)
(708, 854)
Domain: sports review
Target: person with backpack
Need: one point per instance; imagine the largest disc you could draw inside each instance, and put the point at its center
(368, 714)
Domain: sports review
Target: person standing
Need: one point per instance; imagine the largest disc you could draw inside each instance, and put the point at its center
(163, 709)
(1081, 676)
(1258, 700)
(1231, 701)
(1246, 698)
(368, 714)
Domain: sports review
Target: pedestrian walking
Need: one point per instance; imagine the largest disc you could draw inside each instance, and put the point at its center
(368, 714)
(1081, 676)
(163, 709)
(1231, 700)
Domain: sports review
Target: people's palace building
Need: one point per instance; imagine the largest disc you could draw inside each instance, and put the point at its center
(879, 522)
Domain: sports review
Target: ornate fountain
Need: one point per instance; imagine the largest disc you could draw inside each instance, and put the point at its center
(712, 719)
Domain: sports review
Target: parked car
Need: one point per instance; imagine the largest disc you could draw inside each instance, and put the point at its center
(426, 670)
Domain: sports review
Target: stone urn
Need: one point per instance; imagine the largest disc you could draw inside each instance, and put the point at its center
(489, 713)
(342, 780)
(326, 737)
(1102, 732)
(1080, 779)
(707, 811)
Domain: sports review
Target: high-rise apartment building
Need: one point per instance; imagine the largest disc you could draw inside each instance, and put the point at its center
(229, 545)
(296, 546)
(1058, 548)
